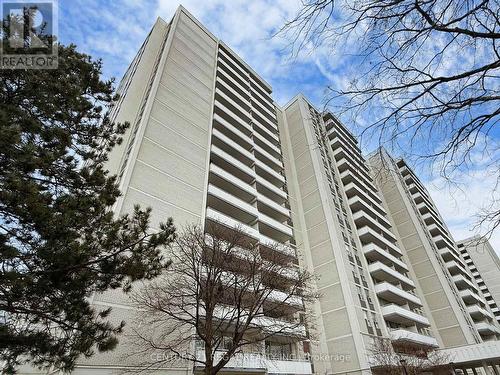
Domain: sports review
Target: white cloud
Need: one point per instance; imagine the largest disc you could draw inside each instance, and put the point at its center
(114, 31)
(247, 27)
(460, 203)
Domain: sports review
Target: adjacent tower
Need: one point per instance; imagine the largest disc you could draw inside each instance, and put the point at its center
(484, 265)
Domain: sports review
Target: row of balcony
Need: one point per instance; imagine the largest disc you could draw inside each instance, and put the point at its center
(358, 174)
(446, 247)
(220, 217)
(353, 188)
(229, 94)
(248, 213)
(338, 130)
(341, 151)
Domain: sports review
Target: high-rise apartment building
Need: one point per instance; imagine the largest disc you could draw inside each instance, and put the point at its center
(208, 143)
(203, 146)
(484, 265)
(457, 304)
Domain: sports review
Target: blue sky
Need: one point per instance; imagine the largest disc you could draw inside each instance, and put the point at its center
(114, 30)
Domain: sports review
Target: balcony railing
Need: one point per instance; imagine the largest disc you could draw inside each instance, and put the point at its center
(258, 362)
(230, 222)
(487, 329)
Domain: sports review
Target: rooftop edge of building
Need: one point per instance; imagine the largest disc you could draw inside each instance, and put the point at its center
(182, 9)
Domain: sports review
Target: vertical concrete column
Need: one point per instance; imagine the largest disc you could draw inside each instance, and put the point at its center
(486, 369)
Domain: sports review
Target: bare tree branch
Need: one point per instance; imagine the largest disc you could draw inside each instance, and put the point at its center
(224, 294)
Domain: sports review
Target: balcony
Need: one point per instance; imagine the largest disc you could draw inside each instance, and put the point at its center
(395, 295)
(268, 118)
(384, 273)
(276, 245)
(265, 132)
(404, 336)
(351, 156)
(261, 86)
(477, 312)
(233, 131)
(231, 78)
(294, 330)
(487, 329)
(228, 59)
(224, 111)
(233, 93)
(273, 161)
(256, 94)
(289, 367)
(455, 267)
(470, 297)
(368, 235)
(275, 177)
(362, 218)
(270, 190)
(355, 173)
(448, 253)
(280, 297)
(231, 147)
(424, 208)
(230, 183)
(224, 202)
(372, 216)
(275, 228)
(229, 74)
(375, 253)
(241, 112)
(400, 315)
(232, 165)
(230, 222)
(272, 208)
(352, 189)
(266, 143)
(442, 241)
(345, 139)
(462, 282)
(357, 202)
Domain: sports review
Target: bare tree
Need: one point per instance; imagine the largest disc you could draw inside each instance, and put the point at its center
(395, 359)
(224, 295)
(425, 77)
